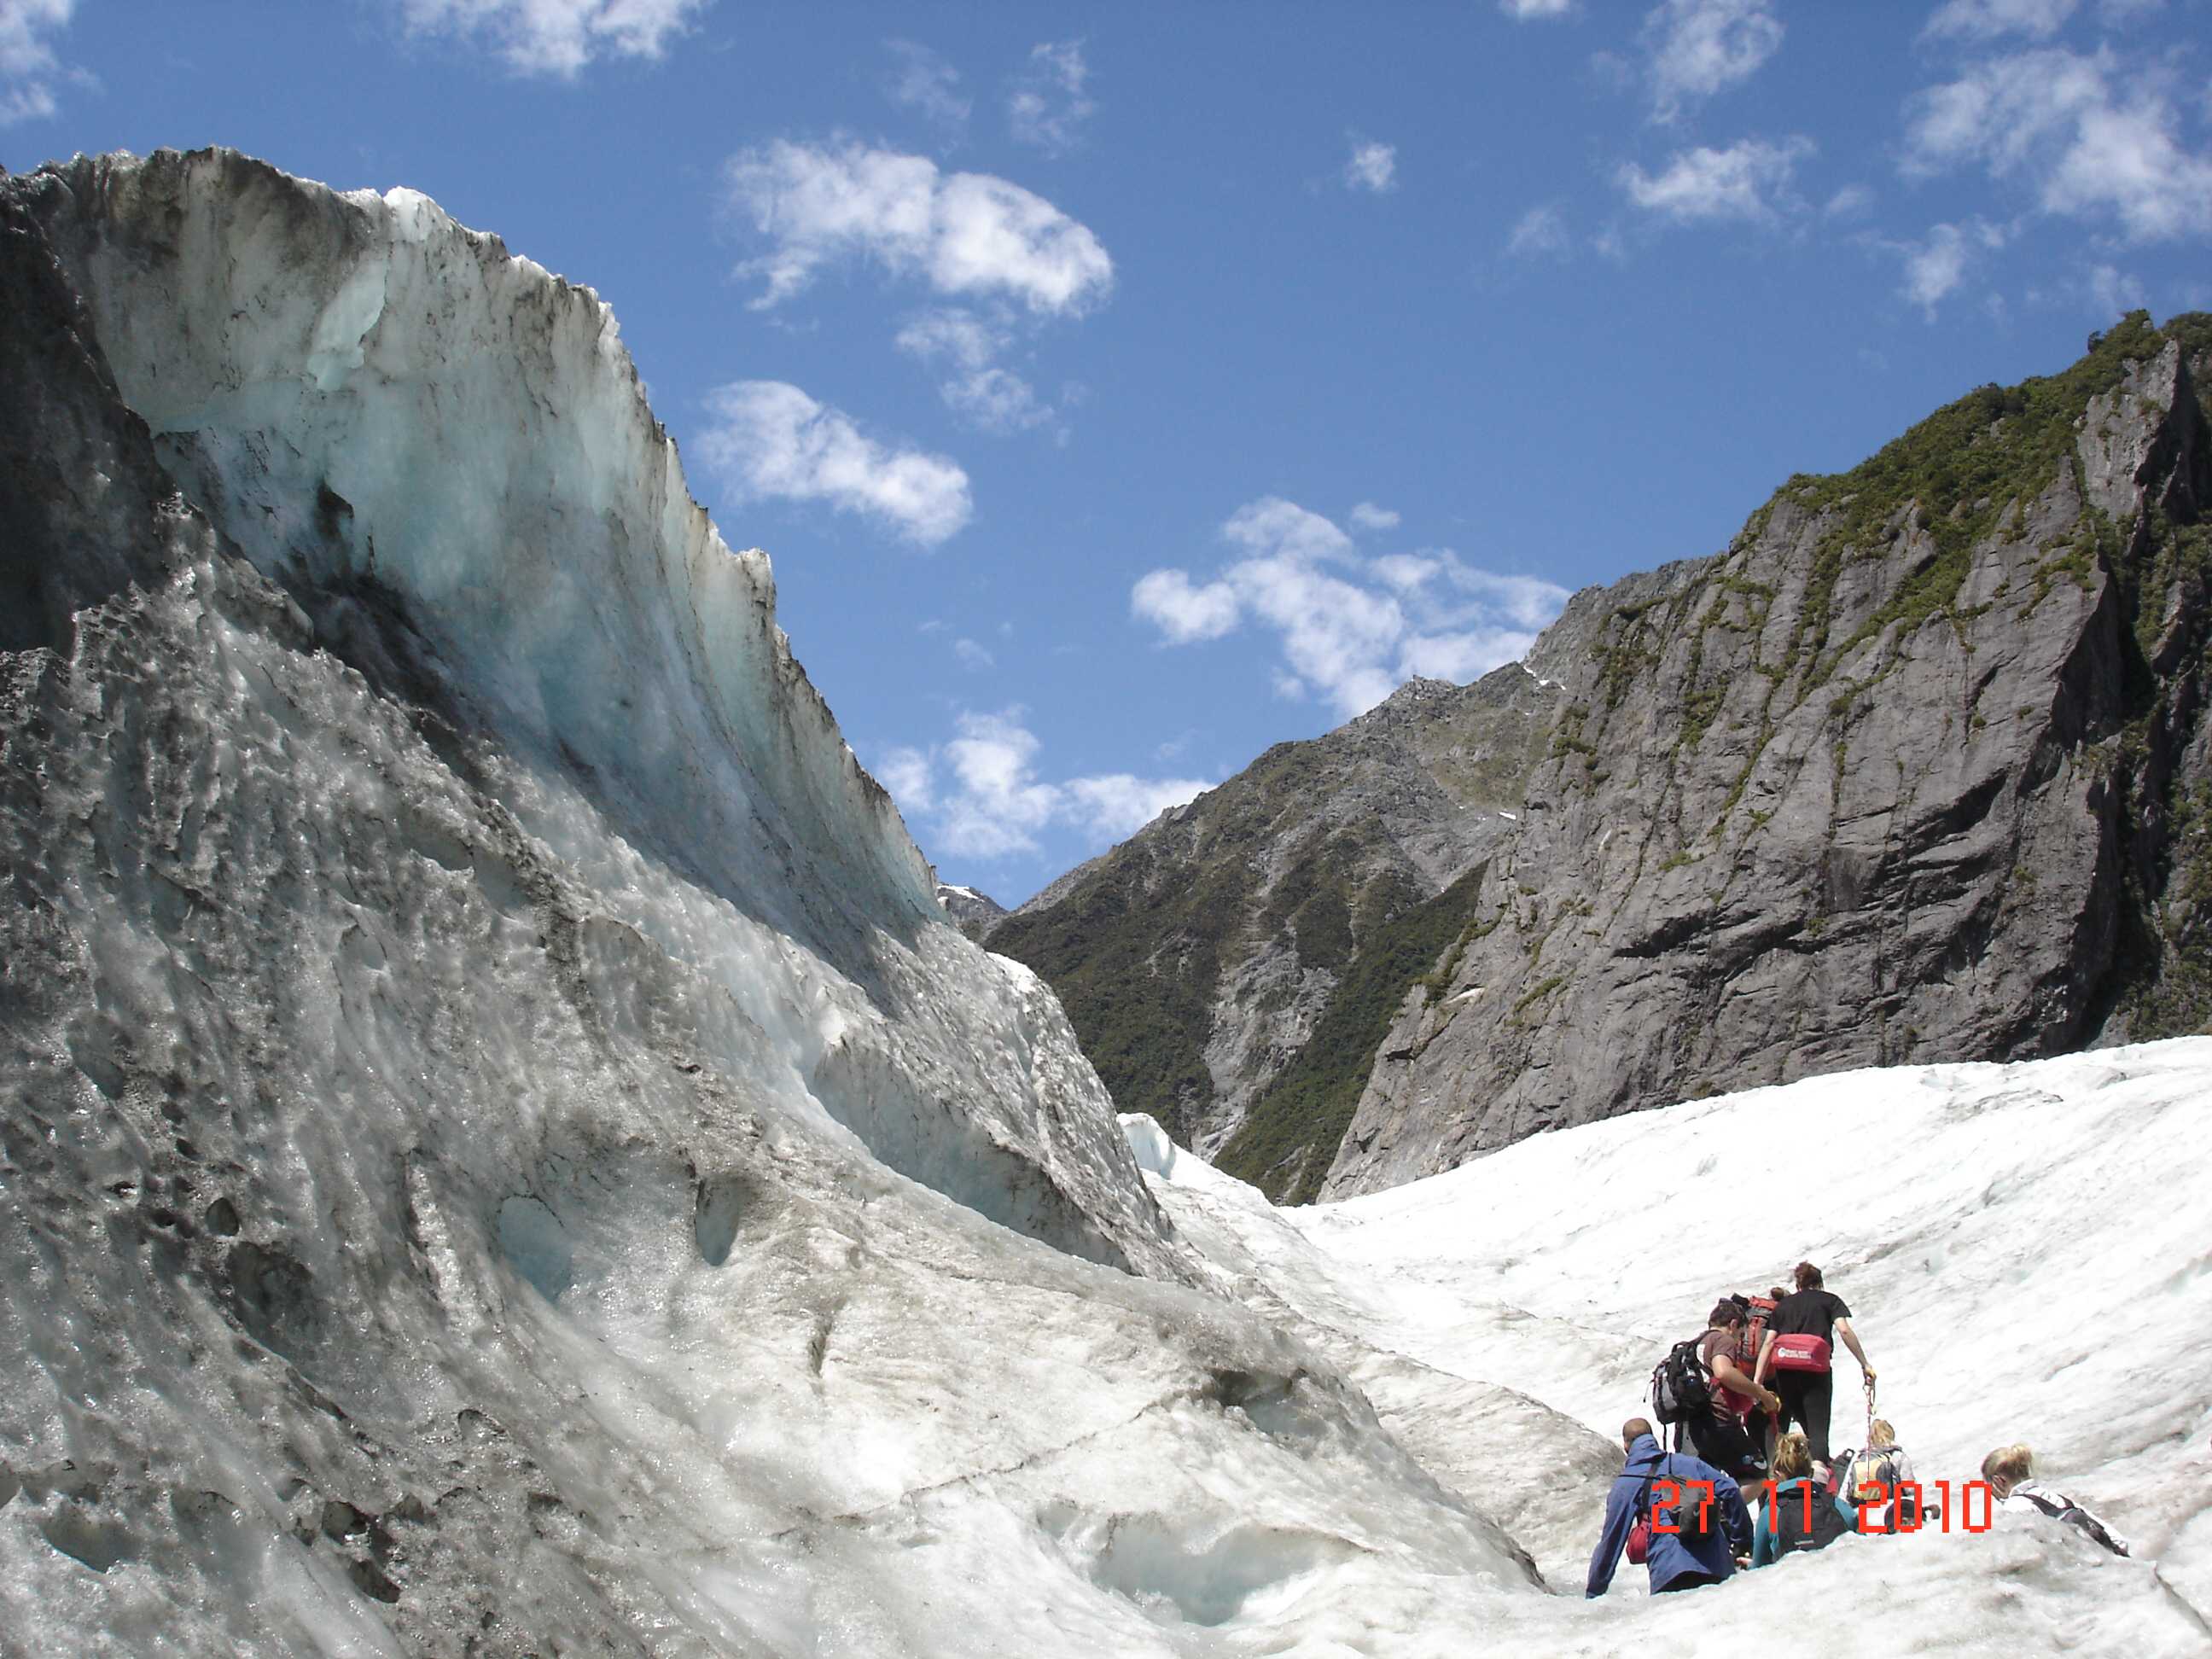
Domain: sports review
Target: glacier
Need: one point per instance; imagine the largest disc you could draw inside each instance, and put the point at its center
(2025, 1251)
(504, 1153)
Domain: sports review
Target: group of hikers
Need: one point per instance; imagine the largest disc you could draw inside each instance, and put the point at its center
(1753, 1395)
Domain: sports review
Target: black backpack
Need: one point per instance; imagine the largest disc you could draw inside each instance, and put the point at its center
(1679, 1388)
(1689, 1517)
(1788, 1519)
(1694, 1522)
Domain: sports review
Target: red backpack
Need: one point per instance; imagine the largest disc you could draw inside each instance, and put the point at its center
(1757, 1310)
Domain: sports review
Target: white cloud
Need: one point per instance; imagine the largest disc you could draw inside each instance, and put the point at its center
(2000, 110)
(964, 234)
(973, 656)
(2113, 292)
(924, 80)
(771, 439)
(556, 37)
(1985, 20)
(2093, 138)
(954, 335)
(1850, 202)
(980, 795)
(1541, 234)
(998, 804)
(26, 57)
(1460, 657)
(1368, 516)
(1406, 572)
(1522, 11)
(906, 772)
(977, 390)
(1935, 268)
(1699, 47)
(1373, 167)
(998, 400)
(1272, 525)
(1349, 631)
(1525, 602)
(1749, 180)
(1182, 609)
(1119, 803)
(1049, 104)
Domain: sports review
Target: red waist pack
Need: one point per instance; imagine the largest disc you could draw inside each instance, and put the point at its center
(1794, 1351)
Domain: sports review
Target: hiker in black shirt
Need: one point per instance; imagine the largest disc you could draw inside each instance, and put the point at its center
(1799, 1363)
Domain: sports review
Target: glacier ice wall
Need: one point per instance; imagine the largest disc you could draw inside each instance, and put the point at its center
(501, 1153)
(355, 387)
(445, 454)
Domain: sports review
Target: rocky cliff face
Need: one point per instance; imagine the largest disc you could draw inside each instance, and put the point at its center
(1917, 770)
(1230, 968)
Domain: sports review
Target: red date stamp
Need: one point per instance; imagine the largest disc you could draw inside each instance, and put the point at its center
(1670, 1499)
(1673, 1505)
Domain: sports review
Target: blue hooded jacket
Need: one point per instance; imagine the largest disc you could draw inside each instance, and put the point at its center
(1670, 1555)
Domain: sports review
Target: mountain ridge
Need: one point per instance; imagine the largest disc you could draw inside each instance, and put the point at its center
(1294, 862)
(2050, 531)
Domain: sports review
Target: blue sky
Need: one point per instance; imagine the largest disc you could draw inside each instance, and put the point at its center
(1120, 390)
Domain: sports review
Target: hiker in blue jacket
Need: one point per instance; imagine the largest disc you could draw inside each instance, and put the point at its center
(1675, 1560)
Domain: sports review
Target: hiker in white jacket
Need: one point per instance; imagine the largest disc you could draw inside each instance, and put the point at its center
(2010, 1471)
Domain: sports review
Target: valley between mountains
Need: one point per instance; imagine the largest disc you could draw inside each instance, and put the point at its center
(1915, 768)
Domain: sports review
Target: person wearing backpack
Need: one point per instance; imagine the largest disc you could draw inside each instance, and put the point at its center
(2010, 1471)
(1722, 1432)
(1880, 1477)
(1661, 1517)
(1796, 1354)
(1799, 1515)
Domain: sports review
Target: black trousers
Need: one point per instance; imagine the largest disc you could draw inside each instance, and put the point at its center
(1806, 1397)
(1730, 1446)
(1686, 1581)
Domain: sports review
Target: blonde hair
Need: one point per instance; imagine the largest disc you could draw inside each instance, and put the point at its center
(2007, 1465)
(1793, 1456)
(1880, 1436)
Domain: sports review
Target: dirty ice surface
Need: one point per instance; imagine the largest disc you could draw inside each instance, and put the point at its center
(2027, 1252)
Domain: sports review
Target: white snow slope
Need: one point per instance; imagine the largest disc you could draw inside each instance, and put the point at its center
(2028, 1251)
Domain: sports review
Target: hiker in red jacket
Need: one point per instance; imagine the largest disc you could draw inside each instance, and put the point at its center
(1797, 1351)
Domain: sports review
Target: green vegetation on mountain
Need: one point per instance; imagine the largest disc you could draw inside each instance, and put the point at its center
(1247, 926)
(1961, 472)
(1285, 1142)
(1134, 951)
(1962, 469)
